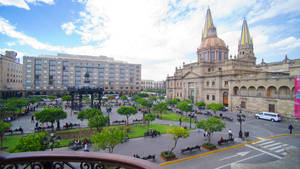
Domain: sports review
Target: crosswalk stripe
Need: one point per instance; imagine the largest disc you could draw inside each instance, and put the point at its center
(261, 141)
(280, 150)
(284, 145)
(284, 153)
(271, 145)
(269, 142)
(274, 148)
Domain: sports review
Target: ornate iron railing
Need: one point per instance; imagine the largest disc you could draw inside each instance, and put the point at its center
(62, 160)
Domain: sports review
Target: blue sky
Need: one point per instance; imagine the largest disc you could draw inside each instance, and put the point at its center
(159, 34)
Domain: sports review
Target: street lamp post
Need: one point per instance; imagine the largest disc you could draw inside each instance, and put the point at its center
(52, 139)
(191, 116)
(240, 118)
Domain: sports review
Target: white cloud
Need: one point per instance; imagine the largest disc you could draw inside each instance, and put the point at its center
(24, 3)
(266, 10)
(11, 43)
(68, 28)
(16, 3)
(288, 43)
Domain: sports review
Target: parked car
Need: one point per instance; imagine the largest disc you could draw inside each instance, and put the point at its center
(268, 116)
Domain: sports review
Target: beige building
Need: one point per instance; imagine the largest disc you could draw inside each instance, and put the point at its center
(238, 81)
(54, 74)
(151, 84)
(10, 76)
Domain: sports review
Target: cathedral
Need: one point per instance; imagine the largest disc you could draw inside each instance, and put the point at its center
(238, 82)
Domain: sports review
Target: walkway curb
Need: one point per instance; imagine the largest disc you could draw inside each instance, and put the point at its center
(223, 149)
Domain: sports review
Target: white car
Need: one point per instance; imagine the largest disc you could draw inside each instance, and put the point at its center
(268, 116)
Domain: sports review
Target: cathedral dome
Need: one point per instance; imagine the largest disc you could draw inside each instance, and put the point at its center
(212, 42)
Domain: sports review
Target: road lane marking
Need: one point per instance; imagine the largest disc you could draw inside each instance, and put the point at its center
(239, 161)
(242, 154)
(271, 145)
(269, 142)
(280, 150)
(273, 155)
(274, 148)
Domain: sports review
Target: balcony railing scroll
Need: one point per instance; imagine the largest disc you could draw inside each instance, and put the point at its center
(62, 160)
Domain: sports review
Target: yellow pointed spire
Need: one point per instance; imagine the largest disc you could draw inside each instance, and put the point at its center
(245, 40)
(209, 27)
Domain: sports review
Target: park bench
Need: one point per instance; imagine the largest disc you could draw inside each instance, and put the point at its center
(149, 157)
(226, 141)
(15, 131)
(119, 122)
(39, 129)
(227, 118)
(71, 125)
(152, 133)
(135, 121)
(190, 149)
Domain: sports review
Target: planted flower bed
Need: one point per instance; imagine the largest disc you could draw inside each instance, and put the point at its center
(209, 146)
(167, 156)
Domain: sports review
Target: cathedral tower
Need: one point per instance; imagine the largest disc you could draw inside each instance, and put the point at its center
(245, 49)
(212, 48)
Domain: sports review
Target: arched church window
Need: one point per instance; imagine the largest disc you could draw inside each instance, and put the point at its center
(220, 55)
(205, 56)
(212, 56)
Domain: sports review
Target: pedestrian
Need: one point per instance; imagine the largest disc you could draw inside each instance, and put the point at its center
(36, 124)
(32, 119)
(180, 121)
(230, 134)
(291, 128)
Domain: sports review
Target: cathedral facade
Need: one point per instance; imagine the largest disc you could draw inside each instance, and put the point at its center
(235, 82)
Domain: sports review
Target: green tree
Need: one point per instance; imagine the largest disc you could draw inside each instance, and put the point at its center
(123, 98)
(142, 95)
(161, 97)
(199, 104)
(3, 110)
(108, 138)
(211, 125)
(17, 103)
(110, 97)
(160, 108)
(148, 118)
(184, 106)
(88, 113)
(177, 133)
(51, 97)
(3, 128)
(50, 115)
(171, 102)
(32, 142)
(214, 107)
(35, 99)
(153, 98)
(188, 100)
(98, 122)
(66, 98)
(144, 103)
(127, 111)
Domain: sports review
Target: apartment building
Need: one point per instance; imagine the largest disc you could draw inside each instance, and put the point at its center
(10, 75)
(54, 74)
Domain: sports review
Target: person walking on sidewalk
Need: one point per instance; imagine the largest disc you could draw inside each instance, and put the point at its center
(180, 121)
(230, 134)
(291, 128)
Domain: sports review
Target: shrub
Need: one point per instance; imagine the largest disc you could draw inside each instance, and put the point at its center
(168, 154)
(209, 146)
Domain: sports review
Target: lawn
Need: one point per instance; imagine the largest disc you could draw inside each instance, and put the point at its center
(135, 131)
(139, 130)
(175, 117)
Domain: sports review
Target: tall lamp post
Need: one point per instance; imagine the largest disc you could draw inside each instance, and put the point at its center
(240, 118)
(191, 116)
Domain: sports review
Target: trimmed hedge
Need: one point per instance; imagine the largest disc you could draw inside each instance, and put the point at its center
(209, 146)
(168, 155)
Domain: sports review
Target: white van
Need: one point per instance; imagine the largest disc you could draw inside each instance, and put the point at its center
(268, 116)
